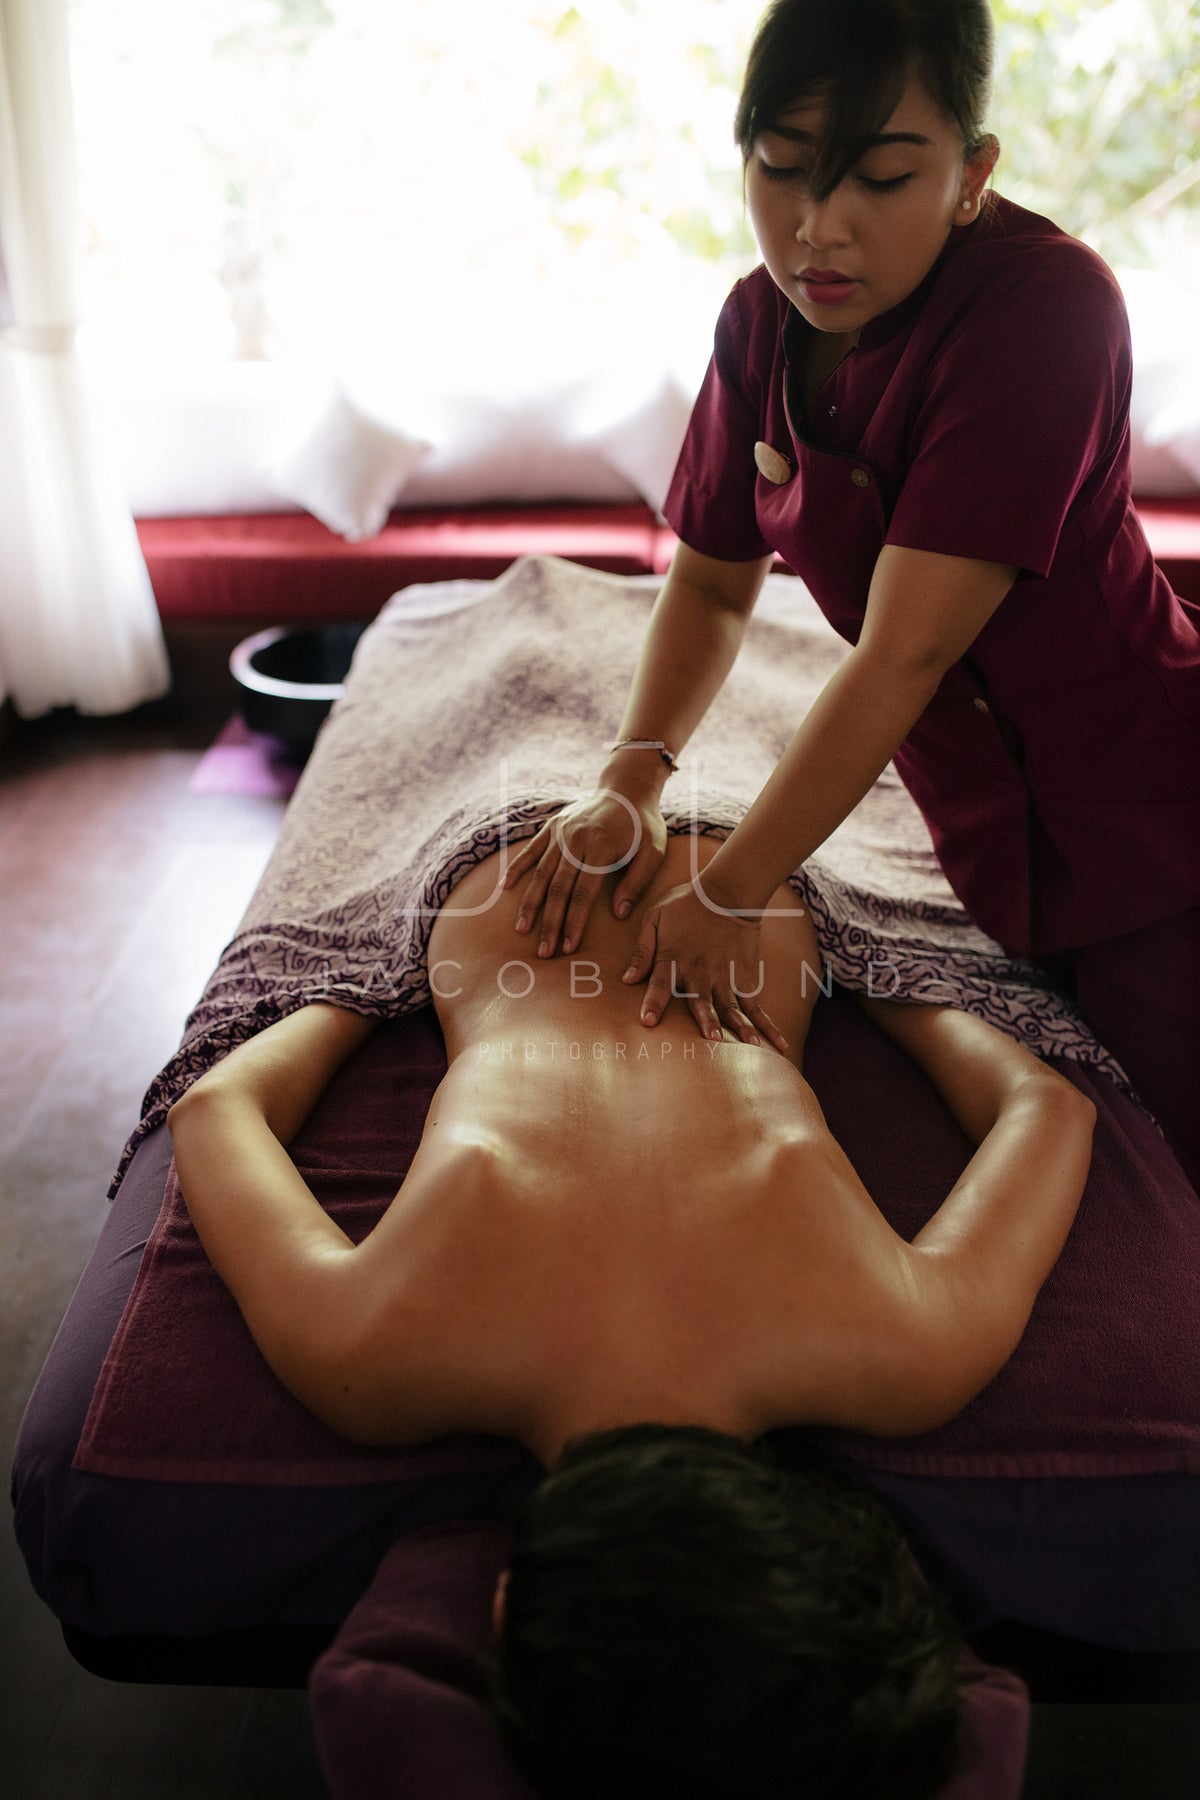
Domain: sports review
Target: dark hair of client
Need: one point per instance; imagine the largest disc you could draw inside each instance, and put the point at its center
(857, 55)
(692, 1618)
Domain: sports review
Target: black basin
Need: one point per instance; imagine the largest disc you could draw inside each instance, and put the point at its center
(288, 678)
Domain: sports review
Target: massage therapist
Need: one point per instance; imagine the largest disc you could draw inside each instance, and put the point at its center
(920, 401)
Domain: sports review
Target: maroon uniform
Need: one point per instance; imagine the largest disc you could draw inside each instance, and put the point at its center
(1058, 765)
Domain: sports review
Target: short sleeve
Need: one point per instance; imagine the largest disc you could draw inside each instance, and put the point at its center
(710, 503)
(1023, 406)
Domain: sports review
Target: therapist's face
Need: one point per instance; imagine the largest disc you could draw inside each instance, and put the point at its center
(860, 251)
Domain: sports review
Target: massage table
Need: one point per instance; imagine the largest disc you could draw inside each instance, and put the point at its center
(187, 1519)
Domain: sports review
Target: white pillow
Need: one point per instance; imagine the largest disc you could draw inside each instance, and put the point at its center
(546, 418)
(496, 448)
(194, 438)
(347, 469)
(1165, 407)
(1176, 426)
(641, 436)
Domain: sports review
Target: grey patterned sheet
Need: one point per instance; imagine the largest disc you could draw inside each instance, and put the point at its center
(473, 710)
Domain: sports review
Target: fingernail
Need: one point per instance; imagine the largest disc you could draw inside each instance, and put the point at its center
(568, 946)
(757, 1042)
(623, 910)
(544, 948)
(648, 1018)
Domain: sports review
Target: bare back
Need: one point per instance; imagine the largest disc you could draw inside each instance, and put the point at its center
(599, 1207)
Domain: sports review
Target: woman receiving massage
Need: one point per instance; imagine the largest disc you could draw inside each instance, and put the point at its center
(637, 1253)
(920, 401)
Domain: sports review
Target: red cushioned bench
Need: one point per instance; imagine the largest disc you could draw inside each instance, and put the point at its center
(1173, 528)
(219, 578)
(283, 568)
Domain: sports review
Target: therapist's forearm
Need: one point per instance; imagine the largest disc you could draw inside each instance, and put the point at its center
(861, 717)
(691, 644)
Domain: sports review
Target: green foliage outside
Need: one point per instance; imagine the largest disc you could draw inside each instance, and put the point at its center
(261, 177)
(1096, 103)
(1098, 109)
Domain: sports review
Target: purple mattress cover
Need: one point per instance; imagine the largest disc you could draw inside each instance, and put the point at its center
(1112, 1560)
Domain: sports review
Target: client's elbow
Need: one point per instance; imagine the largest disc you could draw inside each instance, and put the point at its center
(183, 1109)
(200, 1109)
(1064, 1108)
(1083, 1116)
(196, 1099)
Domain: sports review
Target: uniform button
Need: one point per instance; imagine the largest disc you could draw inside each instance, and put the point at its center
(772, 464)
(860, 478)
(980, 705)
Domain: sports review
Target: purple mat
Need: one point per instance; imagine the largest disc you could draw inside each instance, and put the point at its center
(241, 761)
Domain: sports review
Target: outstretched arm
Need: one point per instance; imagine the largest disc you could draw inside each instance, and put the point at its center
(280, 1254)
(979, 1262)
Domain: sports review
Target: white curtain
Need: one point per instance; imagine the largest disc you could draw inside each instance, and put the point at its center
(78, 623)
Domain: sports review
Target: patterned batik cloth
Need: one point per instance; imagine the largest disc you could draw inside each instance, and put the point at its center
(472, 712)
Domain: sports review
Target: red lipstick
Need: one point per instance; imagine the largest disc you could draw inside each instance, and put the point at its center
(827, 287)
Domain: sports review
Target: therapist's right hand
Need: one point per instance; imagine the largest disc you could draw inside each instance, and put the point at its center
(566, 864)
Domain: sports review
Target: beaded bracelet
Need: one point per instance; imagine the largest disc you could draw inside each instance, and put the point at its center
(648, 744)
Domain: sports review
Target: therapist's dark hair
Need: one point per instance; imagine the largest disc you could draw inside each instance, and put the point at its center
(857, 55)
(689, 1617)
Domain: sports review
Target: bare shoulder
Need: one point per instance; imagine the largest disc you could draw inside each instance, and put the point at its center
(412, 1381)
(836, 1303)
(918, 1371)
(428, 1356)
(945, 1341)
(855, 1328)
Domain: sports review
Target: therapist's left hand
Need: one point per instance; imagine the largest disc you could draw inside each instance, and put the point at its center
(694, 948)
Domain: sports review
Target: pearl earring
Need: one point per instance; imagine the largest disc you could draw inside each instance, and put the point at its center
(966, 206)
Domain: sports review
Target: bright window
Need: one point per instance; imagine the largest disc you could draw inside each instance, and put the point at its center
(268, 179)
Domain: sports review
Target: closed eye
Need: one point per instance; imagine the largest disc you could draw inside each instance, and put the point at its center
(793, 172)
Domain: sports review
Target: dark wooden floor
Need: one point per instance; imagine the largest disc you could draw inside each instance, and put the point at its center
(117, 891)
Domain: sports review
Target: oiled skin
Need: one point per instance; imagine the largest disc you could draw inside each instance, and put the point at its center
(606, 1220)
(606, 1223)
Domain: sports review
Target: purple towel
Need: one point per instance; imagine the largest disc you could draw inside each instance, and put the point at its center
(398, 1699)
(183, 1393)
(1106, 1380)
